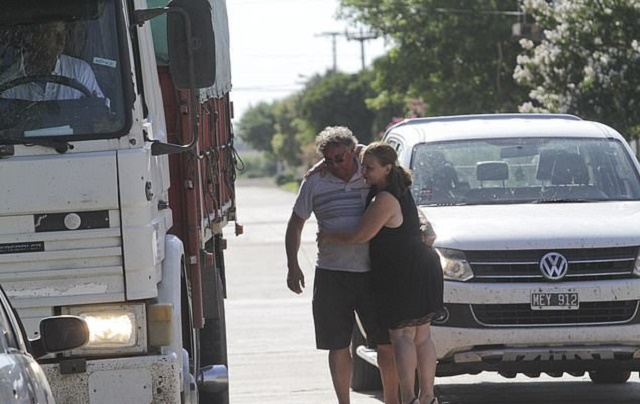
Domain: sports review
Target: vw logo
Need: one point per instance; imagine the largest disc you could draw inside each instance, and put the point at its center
(554, 266)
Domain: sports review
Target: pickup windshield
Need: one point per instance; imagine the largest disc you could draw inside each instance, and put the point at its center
(523, 170)
(60, 71)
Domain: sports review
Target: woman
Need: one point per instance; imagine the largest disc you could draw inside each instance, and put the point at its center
(407, 273)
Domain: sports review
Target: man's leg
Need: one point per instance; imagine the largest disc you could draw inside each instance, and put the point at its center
(333, 319)
(379, 336)
(388, 373)
(340, 366)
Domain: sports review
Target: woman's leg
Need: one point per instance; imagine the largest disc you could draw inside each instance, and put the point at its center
(427, 361)
(404, 351)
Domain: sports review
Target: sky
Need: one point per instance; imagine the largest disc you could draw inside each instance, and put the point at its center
(276, 45)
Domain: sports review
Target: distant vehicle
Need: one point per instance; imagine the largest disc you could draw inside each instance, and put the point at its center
(537, 222)
(21, 378)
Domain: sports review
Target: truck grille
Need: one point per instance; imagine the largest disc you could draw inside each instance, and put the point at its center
(524, 265)
(64, 267)
(522, 315)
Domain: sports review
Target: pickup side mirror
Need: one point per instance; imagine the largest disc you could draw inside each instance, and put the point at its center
(60, 333)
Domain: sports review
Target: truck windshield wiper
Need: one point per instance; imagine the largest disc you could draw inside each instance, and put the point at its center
(58, 145)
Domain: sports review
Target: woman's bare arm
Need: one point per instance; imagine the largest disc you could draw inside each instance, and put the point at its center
(382, 210)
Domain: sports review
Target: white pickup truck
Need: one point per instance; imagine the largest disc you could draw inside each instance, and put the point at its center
(538, 224)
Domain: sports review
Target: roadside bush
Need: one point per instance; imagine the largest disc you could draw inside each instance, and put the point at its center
(257, 165)
(282, 179)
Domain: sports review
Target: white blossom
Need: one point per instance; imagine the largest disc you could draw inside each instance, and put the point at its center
(579, 63)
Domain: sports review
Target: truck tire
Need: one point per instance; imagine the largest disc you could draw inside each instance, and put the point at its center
(190, 336)
(213, 343)
(609, 376)
(364, 376)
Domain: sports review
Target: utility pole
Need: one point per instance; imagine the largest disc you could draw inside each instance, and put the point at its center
(351, 36)
(362, 37)
(333, 36)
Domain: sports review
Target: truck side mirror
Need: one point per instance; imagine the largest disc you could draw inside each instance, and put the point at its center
(190, 37)
(59, 333)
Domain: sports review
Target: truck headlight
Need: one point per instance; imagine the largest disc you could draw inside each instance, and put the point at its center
(636, 267)
(111, 327)
(454, 265)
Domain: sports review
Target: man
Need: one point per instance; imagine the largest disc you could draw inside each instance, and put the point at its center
(342, 279)
(39, 54)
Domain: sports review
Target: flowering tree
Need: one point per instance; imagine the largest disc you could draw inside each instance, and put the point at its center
(587, 63)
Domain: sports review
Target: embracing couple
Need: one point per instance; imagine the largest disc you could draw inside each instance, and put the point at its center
(374, 260)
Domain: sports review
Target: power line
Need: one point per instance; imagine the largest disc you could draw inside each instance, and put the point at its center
(360, 36)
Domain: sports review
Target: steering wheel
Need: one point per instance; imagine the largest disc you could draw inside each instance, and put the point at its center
(48, 78)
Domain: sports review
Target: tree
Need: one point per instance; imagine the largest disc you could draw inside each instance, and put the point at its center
(290, 130)
(339, 99)
(257, 127)
(457, 55)
(587, 63)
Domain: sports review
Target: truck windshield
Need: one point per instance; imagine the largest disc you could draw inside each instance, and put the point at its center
(60, 71)
(523, 170)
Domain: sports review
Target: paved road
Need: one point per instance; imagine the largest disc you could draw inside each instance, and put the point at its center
(272, 358)
(272, 355)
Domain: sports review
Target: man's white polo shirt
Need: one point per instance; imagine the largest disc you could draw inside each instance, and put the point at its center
(338, 206)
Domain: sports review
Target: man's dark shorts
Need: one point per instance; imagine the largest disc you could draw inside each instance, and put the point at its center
(336, 295)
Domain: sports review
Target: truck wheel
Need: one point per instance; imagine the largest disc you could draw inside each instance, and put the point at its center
(190, 336)
(213, 344)
(609, 376)
(364, 376)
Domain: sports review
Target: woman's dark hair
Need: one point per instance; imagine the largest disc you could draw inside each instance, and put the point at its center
(399, 177)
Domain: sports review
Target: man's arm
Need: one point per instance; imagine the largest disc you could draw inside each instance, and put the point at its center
(295, 277)
(87, 77)
(428, 234)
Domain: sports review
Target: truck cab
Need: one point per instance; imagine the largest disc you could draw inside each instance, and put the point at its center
(117, 168)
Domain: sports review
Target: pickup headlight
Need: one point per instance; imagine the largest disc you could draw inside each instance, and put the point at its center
(454, 265)
(636, 267)
(120, 327)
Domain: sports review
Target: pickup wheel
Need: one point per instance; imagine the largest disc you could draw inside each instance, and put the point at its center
(364, 376)
(609, 376)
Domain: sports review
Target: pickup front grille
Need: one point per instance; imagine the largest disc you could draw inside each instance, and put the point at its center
(524, 265)
(589, 313)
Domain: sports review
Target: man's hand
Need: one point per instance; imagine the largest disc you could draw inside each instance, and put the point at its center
(428, 234)
(295, 280)
(318, 167)
(322, 237)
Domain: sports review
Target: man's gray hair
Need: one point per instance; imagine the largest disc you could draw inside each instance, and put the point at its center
(335, 135)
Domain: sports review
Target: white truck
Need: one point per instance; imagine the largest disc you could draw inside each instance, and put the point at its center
(537, 222)
(114, 198)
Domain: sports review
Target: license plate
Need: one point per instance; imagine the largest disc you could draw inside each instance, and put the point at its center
(555, 301)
